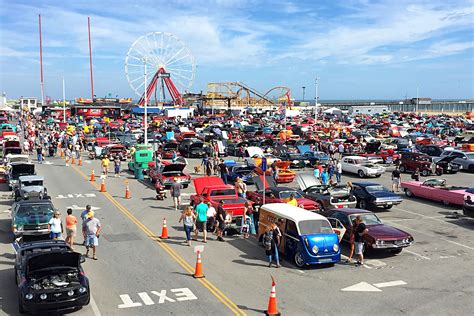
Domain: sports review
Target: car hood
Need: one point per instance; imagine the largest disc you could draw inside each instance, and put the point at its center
(446, 159)
(53, 259)
(323, 241)
(32, 188)
(306, 180)
(196, 146)
(175, 167)
(269, 182)
(384, 231)
(202, 182)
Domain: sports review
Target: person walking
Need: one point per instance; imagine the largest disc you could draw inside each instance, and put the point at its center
(359, 233)
(316, 171)
(55, 226)
(188, 218)
(201, 221)
(274, 244)
(352, 241)
(117, 164)
(416, 175)
(84, 218)
(396, 180)
(211, 216)
(39, 152)
(338, 171)
(224, 170)
(92, 229)
(221, 215)
(324, 176)
(105, 165)
(175, 192)
(71, 222)
(249, 211)
(241, 187)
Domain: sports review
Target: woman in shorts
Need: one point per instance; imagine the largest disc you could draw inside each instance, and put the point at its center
(55, 226)
(71, 222)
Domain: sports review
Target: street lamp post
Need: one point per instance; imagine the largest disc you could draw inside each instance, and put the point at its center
(145, 114)
(304, 88)
(316, 98)
(64, 101)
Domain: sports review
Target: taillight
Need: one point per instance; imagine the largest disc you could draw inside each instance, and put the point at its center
(82, 273)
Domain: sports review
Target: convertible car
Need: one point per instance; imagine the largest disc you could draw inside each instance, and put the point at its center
(327, 196)
(274, 194)
(437, 190)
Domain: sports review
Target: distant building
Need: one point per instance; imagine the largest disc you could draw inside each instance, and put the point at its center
(368, 109)
(421, 101)
(28, 104)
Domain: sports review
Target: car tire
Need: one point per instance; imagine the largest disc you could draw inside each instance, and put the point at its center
(402, 169)
(409, 193)
(299, 260)
(387, 207)
(425, 172)
(363, 204)
(470, 168)
(396, 251)
(361, 174)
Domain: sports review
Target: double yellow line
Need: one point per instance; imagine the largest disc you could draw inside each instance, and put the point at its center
(186, 266)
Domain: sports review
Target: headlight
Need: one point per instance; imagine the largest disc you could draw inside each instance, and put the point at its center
(43, 296)
(315, 249)
(70, 293)
(379, 242)
(335, 247)
(82, 290)
(29, 296)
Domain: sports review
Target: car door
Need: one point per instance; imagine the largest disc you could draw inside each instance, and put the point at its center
(337, 227)
(291, 238)
(344, 221)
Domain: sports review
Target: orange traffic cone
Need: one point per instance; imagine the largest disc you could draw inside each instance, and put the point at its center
(198, 271)
(79, 163)
(272, 302)
(127, 191)
(102, 186)
(73, 161)
(92, 176)
(164, 230)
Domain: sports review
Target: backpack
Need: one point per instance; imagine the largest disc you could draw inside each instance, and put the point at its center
(267, 240)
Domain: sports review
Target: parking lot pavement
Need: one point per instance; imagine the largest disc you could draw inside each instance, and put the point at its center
(425, 278)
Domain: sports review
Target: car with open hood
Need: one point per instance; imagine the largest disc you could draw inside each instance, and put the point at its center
(192, 147)
(327, 196)
(30, 187)
(166, 172)
(380, 237)
(50, 277)
(361, 166)
(18, 169)
(168, 149)
(373, 195)
(31, 217)
(277, 194)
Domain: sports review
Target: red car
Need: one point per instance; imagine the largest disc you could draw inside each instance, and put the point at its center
(165, 173)
(274, 194)
(168, 149)
(379, 236)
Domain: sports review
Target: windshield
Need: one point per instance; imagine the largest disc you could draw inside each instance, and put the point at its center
(310, 227)
(32, 183)
(375, 188)
(286, 195)
(26, 210)
(360, 161)
(367, 219)
(470, 156)
(293, 155)
(223, 192)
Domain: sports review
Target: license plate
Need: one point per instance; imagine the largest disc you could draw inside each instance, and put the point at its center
(389, 203)
(325, 260)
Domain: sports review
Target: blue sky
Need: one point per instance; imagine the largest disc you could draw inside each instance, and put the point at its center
(360, 49)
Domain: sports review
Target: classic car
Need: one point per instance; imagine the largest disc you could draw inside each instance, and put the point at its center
(379, 236)
(468, 207)
(327, 196)
(244, 172)
(372, 195)
(284, 175)
(361, 166)
(165, 173)
(233, 149)
(140, 159)
(213, 189)
(50, 278)
(30, 187)
(113, 150)
(18, 169)
(31, 217)
(11, 158)
(168, 149)
(312, 156)
(409, 162)
(297, 160)
(274, 194)
(463, 158)
(437, 190)
(193, 148)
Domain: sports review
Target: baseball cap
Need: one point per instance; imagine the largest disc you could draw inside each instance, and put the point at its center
(90, 214)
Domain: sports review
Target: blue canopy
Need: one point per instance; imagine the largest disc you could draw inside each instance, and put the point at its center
(149, 111)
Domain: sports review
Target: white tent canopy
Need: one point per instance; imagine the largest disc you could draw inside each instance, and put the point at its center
(333, 111)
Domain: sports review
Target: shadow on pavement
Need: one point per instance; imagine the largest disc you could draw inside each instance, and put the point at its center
(9, 300)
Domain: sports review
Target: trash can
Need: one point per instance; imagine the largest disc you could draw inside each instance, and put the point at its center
(139, 173)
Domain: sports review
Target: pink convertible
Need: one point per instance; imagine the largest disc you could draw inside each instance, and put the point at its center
(436, 190)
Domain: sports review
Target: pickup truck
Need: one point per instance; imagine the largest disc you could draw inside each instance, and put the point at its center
(213, 189)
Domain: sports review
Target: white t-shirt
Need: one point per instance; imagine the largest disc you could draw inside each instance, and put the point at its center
(211, 212)
(55, 225)
(339, 167)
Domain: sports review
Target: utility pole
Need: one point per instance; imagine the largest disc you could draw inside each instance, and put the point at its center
(316, 98)
(304, 88)
(145, 116)
(417, 99)
(64, 101)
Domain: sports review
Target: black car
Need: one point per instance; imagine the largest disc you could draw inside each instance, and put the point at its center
(297, 160)
(50, 277)
(193, 148)
(432, 150)
(468, 207)
(372, 195)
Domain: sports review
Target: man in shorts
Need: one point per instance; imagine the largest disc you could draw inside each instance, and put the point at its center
(93, 229)
(84, 218)
(201, 220)
(396, 180)
(360, 231)
(220, 220)
(175, 192)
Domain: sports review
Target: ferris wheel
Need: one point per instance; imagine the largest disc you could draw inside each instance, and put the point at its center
(164, 57)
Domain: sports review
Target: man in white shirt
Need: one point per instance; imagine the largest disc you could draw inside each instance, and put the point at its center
(338, 171)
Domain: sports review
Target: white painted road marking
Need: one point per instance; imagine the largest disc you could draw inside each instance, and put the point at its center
(75, 195)
(416, 254)
(392, 283)
(77, 207)
(361, 287)
(95, 308)
(181, 294)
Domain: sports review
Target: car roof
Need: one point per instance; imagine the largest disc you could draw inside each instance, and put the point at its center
(42, 244)
(23, 202)
(350, 211)
(31, 178)
(294, 213)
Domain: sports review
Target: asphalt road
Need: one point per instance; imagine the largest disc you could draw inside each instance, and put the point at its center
(432, 277)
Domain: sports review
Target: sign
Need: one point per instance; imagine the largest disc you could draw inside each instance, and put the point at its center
(158, 297)
(75, 195)
(264, 165)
